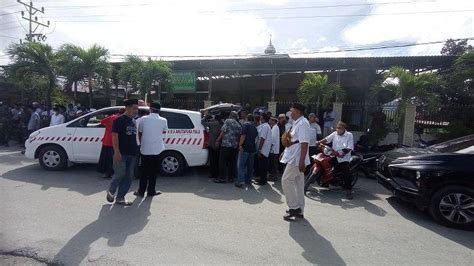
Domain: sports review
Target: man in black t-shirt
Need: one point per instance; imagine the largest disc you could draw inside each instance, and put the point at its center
(248, 148)
(124, 140)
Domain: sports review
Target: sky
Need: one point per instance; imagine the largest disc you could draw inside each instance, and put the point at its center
(321, 28)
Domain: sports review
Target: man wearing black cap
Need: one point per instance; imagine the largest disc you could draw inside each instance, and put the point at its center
(124, 141)
(150, 134)
(296, 159)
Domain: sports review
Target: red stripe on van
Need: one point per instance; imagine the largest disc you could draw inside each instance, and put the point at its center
(85, 139)
(194, 142)
(199, 142)
(172, 140)
(184, 140)
(189, 140)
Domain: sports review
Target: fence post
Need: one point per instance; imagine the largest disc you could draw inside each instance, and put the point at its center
(207, 103)
(337, 108)
(272, 107)
(409, 125)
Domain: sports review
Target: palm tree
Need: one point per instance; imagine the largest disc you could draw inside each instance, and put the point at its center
(34, 59)
(315, 87)
(92, 63)
(154, 73)
(131, 72)
(70, 67)
(409, 88)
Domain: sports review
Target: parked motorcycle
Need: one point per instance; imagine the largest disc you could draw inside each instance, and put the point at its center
(322, 171)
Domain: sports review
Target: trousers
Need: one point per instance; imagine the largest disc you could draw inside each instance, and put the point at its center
(292, 183)
(150, 167)
(123, 173)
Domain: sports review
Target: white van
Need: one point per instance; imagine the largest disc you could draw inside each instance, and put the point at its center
(80, 141)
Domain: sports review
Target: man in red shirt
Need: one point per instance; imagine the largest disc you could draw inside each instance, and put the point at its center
(107, 153)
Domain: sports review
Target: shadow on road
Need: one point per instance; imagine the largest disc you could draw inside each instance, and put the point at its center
(316, 249)
(115, 223)
(336, 197)
(79, 178)
(411, 213)
(83, 178)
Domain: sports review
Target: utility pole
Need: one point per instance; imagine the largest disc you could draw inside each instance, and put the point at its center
(31, 11)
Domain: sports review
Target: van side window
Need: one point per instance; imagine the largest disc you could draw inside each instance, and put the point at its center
(177, 121)
(92, 120)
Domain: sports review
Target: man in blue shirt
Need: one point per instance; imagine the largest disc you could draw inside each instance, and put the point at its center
(124, 140)
(248, 148)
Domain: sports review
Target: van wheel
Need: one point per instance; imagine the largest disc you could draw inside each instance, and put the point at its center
(53, 158)
(171, 163)
(453, 206)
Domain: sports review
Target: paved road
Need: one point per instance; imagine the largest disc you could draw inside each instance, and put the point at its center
(62, 217)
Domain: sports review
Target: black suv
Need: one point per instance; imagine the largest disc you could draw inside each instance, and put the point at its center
(439, 178)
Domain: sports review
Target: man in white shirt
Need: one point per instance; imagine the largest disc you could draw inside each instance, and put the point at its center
(151, 130)
(275, 149)
(264, 143)
(343, 143)
(315, 134)
(296, 159)
(56, 118)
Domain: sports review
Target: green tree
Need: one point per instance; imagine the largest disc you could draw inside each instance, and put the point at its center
(455, 47)
(115, 79)
(316, 88)
(131, 72)
(154, 73)
(92, 62)
(410, 88)
(70, 67)
(32, 60)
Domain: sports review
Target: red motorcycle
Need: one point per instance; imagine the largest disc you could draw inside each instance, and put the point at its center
(323, 173)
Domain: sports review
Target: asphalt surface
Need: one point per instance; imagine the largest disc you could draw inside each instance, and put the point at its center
(62, 217)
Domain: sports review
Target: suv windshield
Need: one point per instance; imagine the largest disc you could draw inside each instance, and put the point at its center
(454, 144)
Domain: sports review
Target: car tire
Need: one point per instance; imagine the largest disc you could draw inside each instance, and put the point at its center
(171, 163)
(53, 158)
(452, 199)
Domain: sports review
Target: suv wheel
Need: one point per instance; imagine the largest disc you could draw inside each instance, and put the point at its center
(53, 158)
(453, 206)
(171, 163)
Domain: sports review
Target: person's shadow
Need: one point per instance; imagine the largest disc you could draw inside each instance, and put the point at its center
(115, 223)
(317, 250)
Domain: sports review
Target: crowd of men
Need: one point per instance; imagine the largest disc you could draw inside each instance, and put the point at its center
(18, 121)
(243, 146)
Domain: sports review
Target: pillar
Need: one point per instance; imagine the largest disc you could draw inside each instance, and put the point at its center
(409, 125)
(337, 108)
(272, 107)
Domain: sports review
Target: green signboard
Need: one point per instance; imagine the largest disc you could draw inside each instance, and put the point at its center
(183, 81)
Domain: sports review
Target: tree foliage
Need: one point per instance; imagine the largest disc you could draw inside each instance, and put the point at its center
(33, 61)
(144, 75)
(91, 63)
(316, 88)
(455, 47)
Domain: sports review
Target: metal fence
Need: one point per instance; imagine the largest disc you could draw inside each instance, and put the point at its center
(442, 116)
(360, 115)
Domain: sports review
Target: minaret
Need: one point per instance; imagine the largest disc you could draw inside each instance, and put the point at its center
(270, 50)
